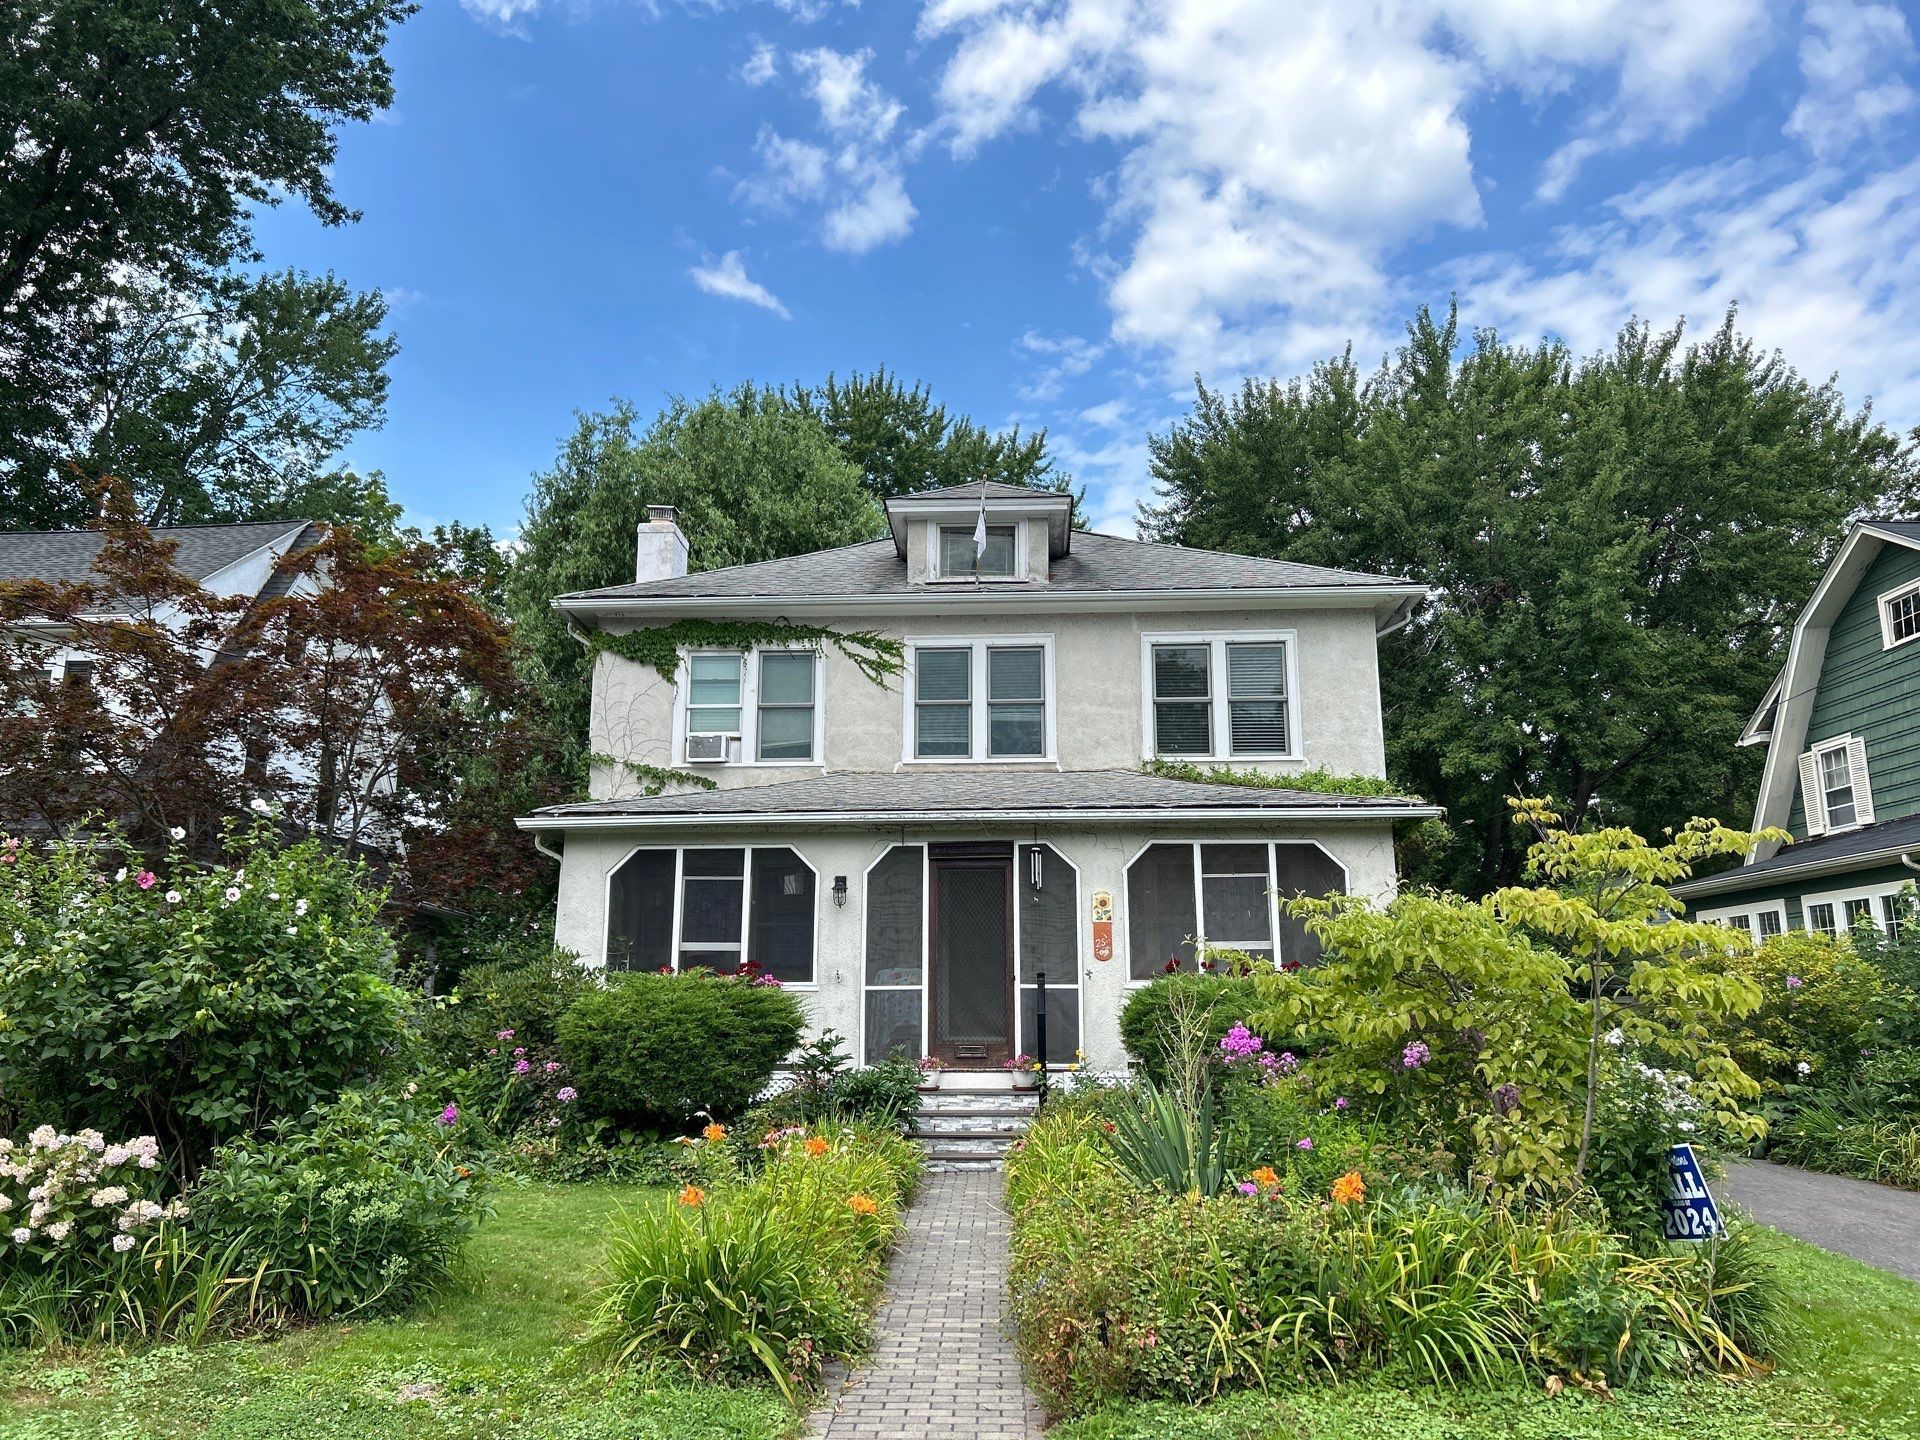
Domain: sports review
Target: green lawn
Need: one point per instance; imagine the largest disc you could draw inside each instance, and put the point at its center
(490, 1356)
(1853, 1370)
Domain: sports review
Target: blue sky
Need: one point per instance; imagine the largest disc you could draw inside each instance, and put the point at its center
(1058, 213)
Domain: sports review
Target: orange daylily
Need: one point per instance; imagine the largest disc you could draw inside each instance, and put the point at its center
(1265, 1178)
(1349, 1188)
(863, 1205)
(693, 1197)
(715, 1131)
(816, 1146)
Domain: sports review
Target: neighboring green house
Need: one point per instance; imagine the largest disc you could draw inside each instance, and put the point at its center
(1842, 729)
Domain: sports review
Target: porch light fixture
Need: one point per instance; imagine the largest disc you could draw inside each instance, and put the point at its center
(839, 889)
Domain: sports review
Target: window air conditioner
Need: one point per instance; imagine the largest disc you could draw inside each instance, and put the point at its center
(708, 749)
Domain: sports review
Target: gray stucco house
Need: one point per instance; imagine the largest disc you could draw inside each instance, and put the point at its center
(912, 856)
(1841, 727)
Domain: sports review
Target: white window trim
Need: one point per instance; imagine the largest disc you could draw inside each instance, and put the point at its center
(1721, 914)
(1872, 894)
(1123, 950)
(1859, 776)
(679, 896)
(977, 699)
(1220, 750)
(937, 576)
(1884, 605)
(748, 758)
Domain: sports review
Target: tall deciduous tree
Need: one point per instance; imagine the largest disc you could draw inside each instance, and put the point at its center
(1618, 545)
(135, 136)
(753, 478)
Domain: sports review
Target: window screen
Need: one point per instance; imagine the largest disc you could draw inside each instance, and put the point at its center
(943, 708)
(713, 694)
(896, 910)
(712, 907)
(1234, 913)
(780, 922)
(1048, 915)
(1257, 698)
(1182, 712)
(1161, 922)
(1302, 868)
(1016, 700)
(640, 912)
(786, 705)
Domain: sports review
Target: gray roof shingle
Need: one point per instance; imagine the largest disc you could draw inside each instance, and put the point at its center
(1098, 563)
(970, 490)
(1007, 795)
(1885, 838)
(58, 556)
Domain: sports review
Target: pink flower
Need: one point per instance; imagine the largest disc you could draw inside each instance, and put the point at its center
(146, 879)
(1304, 1143)
(1793, 982)
(1247, 1187)
(504, 1035)
(449, 1116)
(1415, 1055)
(553, 1067)
(565, 1094)
(519, 1050)
(520, 1067)
(1340, 1102)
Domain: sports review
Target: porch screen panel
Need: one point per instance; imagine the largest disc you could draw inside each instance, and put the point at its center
(1302, 868)
(1049, 941)
(896, 917)
(1161, 920)
(780, 922)
(1233, 898)
(713, 892)
(640, 912)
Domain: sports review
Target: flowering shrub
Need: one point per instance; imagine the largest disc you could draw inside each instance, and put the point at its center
(78, 1200)
(1643, 1112)
(1817, 1006)
(655, 1051)
(198, 1003)
(1148, 1021)
(360, 1205)
(523, 992)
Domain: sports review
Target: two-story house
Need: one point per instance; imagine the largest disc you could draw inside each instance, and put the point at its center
(915, 856)
(1841, 725)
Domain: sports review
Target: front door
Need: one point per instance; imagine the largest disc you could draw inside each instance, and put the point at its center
(971, 996)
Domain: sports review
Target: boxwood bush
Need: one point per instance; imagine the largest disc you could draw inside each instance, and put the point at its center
(655, 1051)
(1147, 1020)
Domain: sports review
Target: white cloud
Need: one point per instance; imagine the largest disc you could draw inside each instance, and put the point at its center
(727, 277)
(1822, 267)
(761, 66)
(503, 14)
(857, 178)
(1061, 359)
(1850, 60)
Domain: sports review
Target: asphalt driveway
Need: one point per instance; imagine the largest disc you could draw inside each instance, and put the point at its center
(1874, 1223)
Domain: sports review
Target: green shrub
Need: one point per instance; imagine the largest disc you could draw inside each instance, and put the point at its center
(1818, 999)
(1152, 1023)
(195, 1004)
(356, 1206)
(655, 1051)
(526, 994)
(763, 1279)
(1159, 1141)
(887, 1093)
(1642, 1114)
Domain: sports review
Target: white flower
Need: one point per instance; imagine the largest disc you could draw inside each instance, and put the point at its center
(59, 1230)
(1685, 1127)
(173, 897)
(258, 806)
(177, 833)
(1616, 1036)
(1803, 1068)
(299, 907)
(123, 1243)
(108, 1195)
(233, 893)
(293, 929)
(22, 1235)
(120, 874)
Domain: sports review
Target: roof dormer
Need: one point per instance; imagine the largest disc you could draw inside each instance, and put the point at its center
(937, 533)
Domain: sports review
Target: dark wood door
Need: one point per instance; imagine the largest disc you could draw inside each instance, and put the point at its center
(970, 997)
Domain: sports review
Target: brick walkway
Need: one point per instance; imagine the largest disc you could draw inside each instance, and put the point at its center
(942, 1365)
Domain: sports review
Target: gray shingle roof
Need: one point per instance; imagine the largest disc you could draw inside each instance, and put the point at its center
(1835, 851)
(58, 556)
(983, 794)
(970, 490)
(1098, 563)
(1905, 529)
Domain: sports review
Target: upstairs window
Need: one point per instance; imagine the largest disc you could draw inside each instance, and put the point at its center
(1900, 616)
(961, 559)
(1226, 697)
(1834, 789)
(786, 705)
(751, 707)
(713, 693)
(981, 699)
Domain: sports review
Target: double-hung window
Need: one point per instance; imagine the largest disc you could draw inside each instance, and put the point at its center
(980, 699)
(961, 557)
(1900, 616)
(762, 704)
(1835, 792)
(1836, 788)
(1220, 697)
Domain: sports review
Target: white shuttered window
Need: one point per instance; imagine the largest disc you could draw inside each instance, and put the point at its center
(1835, 788)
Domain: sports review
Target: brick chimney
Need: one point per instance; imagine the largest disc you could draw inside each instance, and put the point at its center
(661, 551)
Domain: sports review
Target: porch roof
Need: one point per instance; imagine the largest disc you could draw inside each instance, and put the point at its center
(973, 797)
(1878, 844)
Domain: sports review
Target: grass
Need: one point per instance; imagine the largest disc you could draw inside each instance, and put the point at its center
(489, 1356)
(1853, 1369)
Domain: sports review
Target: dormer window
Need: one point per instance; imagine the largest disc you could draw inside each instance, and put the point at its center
(1900, 616)
(961, 559)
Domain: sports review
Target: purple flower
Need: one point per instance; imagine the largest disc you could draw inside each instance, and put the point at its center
(519, 1050)
(1247, 1187)
(1240, 1042)
(1287, 1063)
(1305, 1142)
(553, 1067)
(1506, 1098)
(1793, 982)
(766, 982)
(504, 1035)
(1340, 1102)
(1415, 1055)
(521, 1067)
(566, 1094)
(449, 1116)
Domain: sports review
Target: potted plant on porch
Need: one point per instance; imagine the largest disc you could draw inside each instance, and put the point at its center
(1025, 1071)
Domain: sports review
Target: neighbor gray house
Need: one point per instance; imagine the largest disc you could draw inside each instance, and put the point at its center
(913, 856)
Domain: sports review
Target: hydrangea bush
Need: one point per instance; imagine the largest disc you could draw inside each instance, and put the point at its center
(196, 1000)
(78, 1200)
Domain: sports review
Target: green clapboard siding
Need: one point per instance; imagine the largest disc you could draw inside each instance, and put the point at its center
(1792, 890)
(1873, 693)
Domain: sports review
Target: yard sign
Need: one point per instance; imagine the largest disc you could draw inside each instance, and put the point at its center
(1690, 1211)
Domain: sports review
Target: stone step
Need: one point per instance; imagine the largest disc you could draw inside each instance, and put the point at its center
(949, 1164)
(955, 1122)
(1003, 1102)
(975, 1144)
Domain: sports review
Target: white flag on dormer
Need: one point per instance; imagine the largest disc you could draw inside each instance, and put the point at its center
(980, 525)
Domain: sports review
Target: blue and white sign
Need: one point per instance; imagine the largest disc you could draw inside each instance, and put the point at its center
(1691, 1213)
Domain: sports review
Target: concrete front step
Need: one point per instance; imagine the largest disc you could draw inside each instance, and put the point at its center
(957, 1122)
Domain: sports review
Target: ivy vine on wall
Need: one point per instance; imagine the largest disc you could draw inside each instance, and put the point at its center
(654, 779)
(879, 657)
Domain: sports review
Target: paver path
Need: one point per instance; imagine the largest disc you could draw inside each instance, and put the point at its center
(1874, 1223)
(942, 1364)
